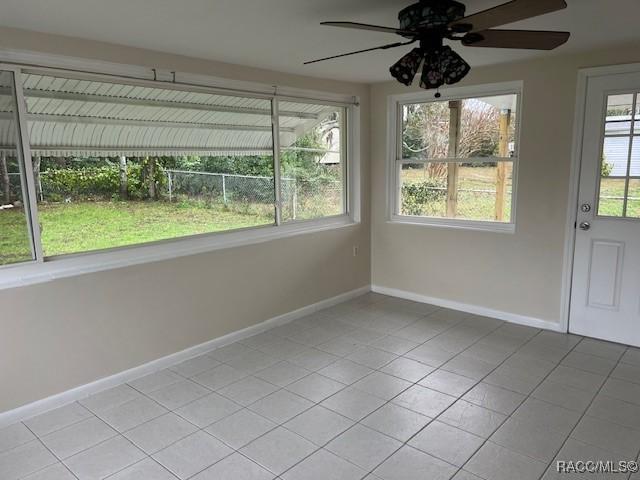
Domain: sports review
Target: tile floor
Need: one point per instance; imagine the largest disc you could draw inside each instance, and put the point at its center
(375, 388)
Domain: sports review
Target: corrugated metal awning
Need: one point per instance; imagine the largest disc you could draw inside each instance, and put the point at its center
(68, 117)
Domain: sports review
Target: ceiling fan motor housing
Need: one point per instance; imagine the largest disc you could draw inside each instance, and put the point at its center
(430, 14)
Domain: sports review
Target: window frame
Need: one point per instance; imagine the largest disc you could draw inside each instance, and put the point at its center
(394, 155)
(43, 268)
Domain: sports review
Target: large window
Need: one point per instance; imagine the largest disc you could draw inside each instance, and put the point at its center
(455, 160)
(115, 164)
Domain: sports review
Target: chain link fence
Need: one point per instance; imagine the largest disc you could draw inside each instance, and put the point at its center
(300, 199)
(305, 199)
(236, 192)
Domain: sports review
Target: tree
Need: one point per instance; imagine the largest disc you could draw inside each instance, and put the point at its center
(303, 162)
(425, 132)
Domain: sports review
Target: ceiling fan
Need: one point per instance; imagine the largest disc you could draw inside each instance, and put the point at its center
(429, 22)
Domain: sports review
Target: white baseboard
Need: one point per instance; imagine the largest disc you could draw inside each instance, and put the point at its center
(41, 406)
(465, 307)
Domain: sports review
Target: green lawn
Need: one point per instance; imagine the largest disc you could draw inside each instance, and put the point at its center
(14, 237)
(84, 226)
(481, 205)
(611, 195)
(476, 193)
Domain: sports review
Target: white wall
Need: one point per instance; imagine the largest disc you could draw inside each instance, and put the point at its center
(521, 273)
(69, 332)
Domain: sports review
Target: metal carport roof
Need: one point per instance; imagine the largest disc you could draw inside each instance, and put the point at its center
(68, 117)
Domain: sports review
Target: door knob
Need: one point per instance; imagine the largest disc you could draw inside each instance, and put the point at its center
(585, 226)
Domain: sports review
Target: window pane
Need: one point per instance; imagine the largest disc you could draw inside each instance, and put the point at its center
(425, 130)
(423, 189)
(480, 195)
(615, 155)
(618, 120)
(15, 240)
(634, 168)
(118, 164)
(611, 201)
(486, 128)
(633, 200)
(312, 160)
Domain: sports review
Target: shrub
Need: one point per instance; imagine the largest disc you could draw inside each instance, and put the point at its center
(138, 180)
(88, 182)
(416, 196)
(101, 183)
(606, 167)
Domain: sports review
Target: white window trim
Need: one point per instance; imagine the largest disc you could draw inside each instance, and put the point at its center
(43, 270)
(394, 134)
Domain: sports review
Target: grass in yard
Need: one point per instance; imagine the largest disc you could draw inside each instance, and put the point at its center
(85, 226)
(476, 193)
(15, 245)
(481, 205)
(612, 195)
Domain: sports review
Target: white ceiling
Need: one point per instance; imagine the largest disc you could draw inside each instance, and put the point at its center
(281, 34)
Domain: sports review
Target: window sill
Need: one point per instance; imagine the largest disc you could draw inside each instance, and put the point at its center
(67, 266)
(473, 225)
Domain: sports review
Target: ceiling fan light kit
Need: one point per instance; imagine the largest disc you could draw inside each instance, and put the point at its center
(442, 66)
(405, 69)
(430, 22)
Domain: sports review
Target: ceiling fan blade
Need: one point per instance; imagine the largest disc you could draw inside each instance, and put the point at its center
(381, 47)
(525, 39)
(366, 26)
(508, 13)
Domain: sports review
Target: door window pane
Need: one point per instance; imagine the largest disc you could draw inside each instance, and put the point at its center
(611, 202)
(15, 238)
(615, 156)
(633, 199)
(119, 164)
(634, 163)
(618, 116)
(312, 160)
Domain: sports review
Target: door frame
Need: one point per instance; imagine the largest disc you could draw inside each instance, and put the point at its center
(584, 75)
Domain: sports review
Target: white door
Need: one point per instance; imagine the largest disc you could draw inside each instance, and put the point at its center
(605, 294)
